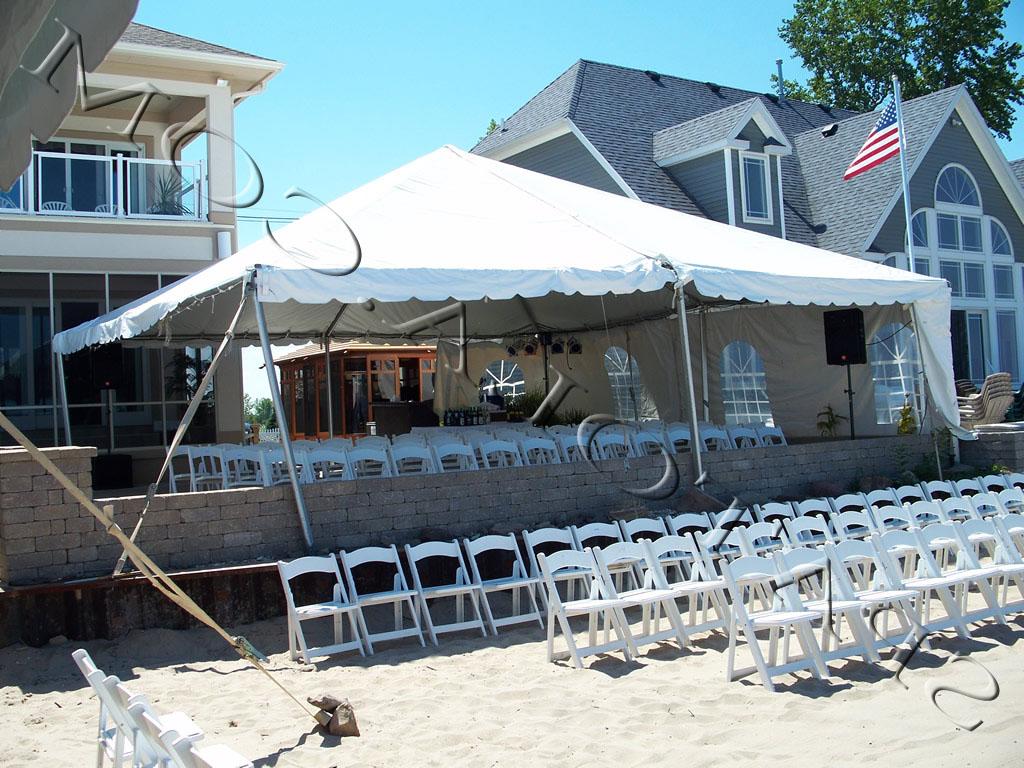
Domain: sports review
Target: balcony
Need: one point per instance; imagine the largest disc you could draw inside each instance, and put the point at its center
(107, 186)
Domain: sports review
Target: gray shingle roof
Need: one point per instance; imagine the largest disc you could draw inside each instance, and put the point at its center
(141, 34)
(847, 211)
(699, 132)
(1018, 169)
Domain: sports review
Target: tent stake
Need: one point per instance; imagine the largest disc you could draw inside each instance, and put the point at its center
(286, 440)
(696, 444)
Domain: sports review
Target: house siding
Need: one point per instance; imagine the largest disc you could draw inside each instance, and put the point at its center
(566, 158)
(953, 145)
(703, 179)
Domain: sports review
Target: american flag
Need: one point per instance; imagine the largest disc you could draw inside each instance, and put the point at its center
(883, 142)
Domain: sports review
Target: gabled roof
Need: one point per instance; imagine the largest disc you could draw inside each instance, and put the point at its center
(1017, 166)
(619, 109)
(712, 128)
(845, 212)
(142, 34)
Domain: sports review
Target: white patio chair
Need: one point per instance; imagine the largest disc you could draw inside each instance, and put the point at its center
(1008, 553)
(611, 443)
(893, 519)
(179, 473)
(852, 525)
(539, 450)
(207, 463)
(750, 580)
(338, 608)
(242, 467)
(732, 517)
(1014, 480)
(454, 457)
(969, 486)
(678, 436)
(770, 435)
(596, 603)
(146, 751)
(328, 464)
(811, 576)
(715, 438)
(960, 563)
(409, 438)
(884, 497)
(808, 531)
(516, 580)
(569, 445)
(956, 510)
(399, 596)
(908, 494)
(275, 469)
(55, 205)
(924, 513)
(934, 490)
(1012, 500)
(757, 538)
(851, 502)
(772, 511)
(457, 588)
(642, 594)
(743, 436)
(648, 442)
(701, 588)
(642, 528)
(593, 534)
(111, 208)
(178, 751)
(377, 442)
(548, 541)
(370, 462)
(1011, 525)
(820, 507)
(993, 483)
(688, 522)
(413, 459)
(441, 436)
(500, 453)
(986, 505)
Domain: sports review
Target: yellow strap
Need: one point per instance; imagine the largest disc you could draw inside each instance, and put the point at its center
(163, 583)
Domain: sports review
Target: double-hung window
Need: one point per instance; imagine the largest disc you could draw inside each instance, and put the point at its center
(756, 188)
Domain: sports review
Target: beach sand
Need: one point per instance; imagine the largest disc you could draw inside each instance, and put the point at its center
(498, 702)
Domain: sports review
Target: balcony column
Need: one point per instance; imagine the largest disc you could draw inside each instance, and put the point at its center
(220, 148)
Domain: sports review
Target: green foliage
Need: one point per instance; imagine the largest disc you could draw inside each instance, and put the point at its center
(167, 194)
(794, 90)
(853, 47)
(491, 128)
(259, 411)
(829, 421)
(529, 402)
(907, 423)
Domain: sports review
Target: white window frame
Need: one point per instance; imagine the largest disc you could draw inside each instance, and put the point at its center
(762, 158)
(748, 381)
(892, 338)
(957, 207)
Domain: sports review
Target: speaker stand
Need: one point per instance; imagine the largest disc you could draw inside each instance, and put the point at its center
(849, 397)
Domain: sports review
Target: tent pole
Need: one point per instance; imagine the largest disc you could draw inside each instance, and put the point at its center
(63, 390)
(327, 373)
(696, 444)
(286, 440)
(704, 363)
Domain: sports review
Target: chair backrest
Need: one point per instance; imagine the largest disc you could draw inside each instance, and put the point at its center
(744, 573)
(327, 564)
(619, 553)
(566, 559)
(454, 457)
(774, 510)
(242, 461)
(1012, 500)
(732, 516)
(907, 494)
(568, 444)
(408, 438)
(852, 525)
(500, 453)
(807, 530)
(612, 443)
(856, 565)
(370, 462)
(893, 546)
(803, 561)
(715, 438)
(942, 537)
(1014, 480)
(985, 504)
(584, 534)
(883, 497)
(893, 518)
(541, 539)
(432, 549)
(937, 490)
(441, 436)
(207, 459)
(688, 522)
(851, 502)
(539, 450)
(758, 536)
(678, 436)
(648, 442)
(179, 473)
(413, 459)
(770, 435)
(994, 483)
(379, 442)
(643, 527)
(924, 512)
(376, 555)
(494, 543)
(743, 437)
(820, 507)
(700, 565)
(969, 486)
(329, 464)
(956, 510)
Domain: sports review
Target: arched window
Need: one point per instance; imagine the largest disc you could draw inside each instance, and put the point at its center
(956, 187)
(502, 377)
(894, 371)
(744, 385)
(1000, 240)
(630, 397)
(919, 225)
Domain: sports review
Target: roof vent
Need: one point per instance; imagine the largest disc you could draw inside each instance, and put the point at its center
(772, 97)
(830, 130)
(653, 75)
(715, 87)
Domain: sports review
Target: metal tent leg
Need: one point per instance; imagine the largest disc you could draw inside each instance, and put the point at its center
(696, 444)
(286, 440)
(330, 395)
(63, 390)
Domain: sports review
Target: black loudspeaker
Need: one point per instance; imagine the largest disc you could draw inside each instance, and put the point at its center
(107, 366)
(844, 337)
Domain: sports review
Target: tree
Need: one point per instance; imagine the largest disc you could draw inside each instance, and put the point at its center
(259, 411)
(491, 128)
(853, 47)
(794, 90)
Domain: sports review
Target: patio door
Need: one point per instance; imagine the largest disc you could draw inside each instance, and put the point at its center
(968, 335)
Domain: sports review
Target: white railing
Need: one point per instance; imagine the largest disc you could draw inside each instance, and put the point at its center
(67, 184)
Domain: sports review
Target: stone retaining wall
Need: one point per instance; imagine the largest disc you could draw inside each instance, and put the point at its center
(45, 537)
(1003, 448)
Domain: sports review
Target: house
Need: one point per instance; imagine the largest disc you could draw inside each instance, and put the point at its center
(127, 197)
(775, 165)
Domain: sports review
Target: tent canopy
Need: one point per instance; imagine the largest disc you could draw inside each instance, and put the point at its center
(524, 252)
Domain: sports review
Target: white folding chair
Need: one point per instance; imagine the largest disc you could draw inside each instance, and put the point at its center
(772, 511)
(327, 464)
(893, 518)
(458, 588)
(587, 535)
(688, 522)
(743, 436)
(1014, 480)
(993, 483)
(820, 507)
(642, 528)
(924, 513)
(537, 451)
(942, 537)
(770, 435)
(377, 442)
(179, 473)
(568, 443)
(956, 510)
(642, 594)
(715, 438)
(179, 751)
(808, 531)
(548, 541)
(1012, 500)
(701, 589)
(852, 525)
(908, 494)
(853, 502)
(678, 437)
(612, 443)
(242, 467)
(969, 486)
(650, 442)
(275, 469)
(514, 580)
(757, 538)
(883, 497)
(500, 453)
(408, 438)
(413, 459)
(146, 751)
(370, 462)
(399, 596)
(454, 457)
(934, 490)
(986, 505)
(337, 608)
(207, 463)
(756, 608)
(596, 604)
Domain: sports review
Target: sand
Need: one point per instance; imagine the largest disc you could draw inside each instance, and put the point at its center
(498, 702)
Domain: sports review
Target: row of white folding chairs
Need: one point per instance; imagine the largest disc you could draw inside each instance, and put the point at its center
(413, 600)
(130, 730)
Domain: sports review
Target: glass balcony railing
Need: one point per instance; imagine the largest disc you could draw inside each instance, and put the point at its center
(67, 184)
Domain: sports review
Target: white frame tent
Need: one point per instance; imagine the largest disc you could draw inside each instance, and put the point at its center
(520, 252)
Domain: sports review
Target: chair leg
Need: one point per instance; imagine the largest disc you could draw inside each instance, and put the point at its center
(427, 621)
(489, 615)
(551, 637)
(354, 622)
(812, 650)
(365, 631)
(570, 641)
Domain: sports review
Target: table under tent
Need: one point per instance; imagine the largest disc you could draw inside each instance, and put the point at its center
(456, 248)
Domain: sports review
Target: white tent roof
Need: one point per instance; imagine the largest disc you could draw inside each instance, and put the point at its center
(524, 251)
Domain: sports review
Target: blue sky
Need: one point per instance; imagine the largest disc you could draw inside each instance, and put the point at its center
(370, 86)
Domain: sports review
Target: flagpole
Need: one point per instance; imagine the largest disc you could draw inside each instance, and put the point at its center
(903, 170)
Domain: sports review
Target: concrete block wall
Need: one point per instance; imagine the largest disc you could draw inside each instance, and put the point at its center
(45, 538)
(1003, 448)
